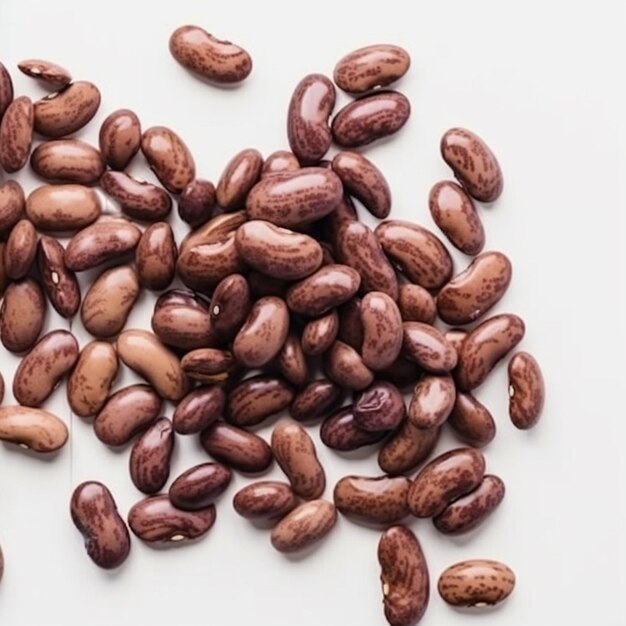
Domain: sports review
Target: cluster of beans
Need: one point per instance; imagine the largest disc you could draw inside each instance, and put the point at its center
(283, 282)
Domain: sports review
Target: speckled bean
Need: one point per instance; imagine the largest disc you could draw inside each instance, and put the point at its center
(50, 74)
(241, 173)
(156, 257)
(22, 315)
(526, 390)
(344, 365)
(316, 400)
(427, 346)
(16, 134)
(230, 305)
(265, 500)
(20, 250)
(340, 432)
(319, 334)
(120, 138)
(292, 362)
(6, 89)
(255, 399)
(196, 202)
(407, 448)
(472, 421)
(382, 330)
(199, 486)
(12, 203)
(150, 457)
(280, 161)
(32, 428)
(209, 365)
(432, 401)
(199, 409)
(416, 304)
(380, 407)
(68, 161)
(62, 208)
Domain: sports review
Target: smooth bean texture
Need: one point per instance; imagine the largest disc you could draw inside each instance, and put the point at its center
(199, 486)
(526, 390)
(265, 500)
(150, 456)
(32, 428)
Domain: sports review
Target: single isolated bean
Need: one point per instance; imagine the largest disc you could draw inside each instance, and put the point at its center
(50, 74)
(344, 365)
(16, 134)
(155, 256)
(316, 400)
(280, 161)
(22, 315)
(432, 401)
(380, 407)
(198, 410)
(472, 421)
(427, 346)
(292, 362)
(12, 203)
(241, 174)
(20, 250)
(382, 330)
(265, 500)
(416, 304)
(255, 399)
(526, 390)
(196, 203)
(62, 208)
(120, 138)
(340, 432)
(407, 448)
(150, 457)
(199, 486)
(32, 428)
(67, 161)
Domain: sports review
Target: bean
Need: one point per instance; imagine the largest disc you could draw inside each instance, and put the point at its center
(68, 161)
(373, 66)
(382, 330)
(407, 448)
(472, 421)
(16, 134)
(156, 257)
(230, 305)
(6, 90)
(380, 407)
(404, 576)
(216, 230)
(340, 432)
(315, 400)
(22, 315)
(196, 202)
(526, 390)
(292, 362)
(318, 335)
(156, 520)
(11, 204)
(20, 250)
(255, 399)
(303, 527)
(432, 401)
(42, 368)
(207, 56)
(279, 161)
(476, 583)
(344, 365)
(120, 138)
(350, 324)
(369, 118)
(197, 487)
(50, 74)
(198, 410)
(94, 512)
(262, 285)
(150, 457)
(62, 208)
(473, 164)
(241, 174)
(416, 304)
(265, 500)
(455, 337)
(381, 500)
(209, 365)
(427, 346)
(32, 428)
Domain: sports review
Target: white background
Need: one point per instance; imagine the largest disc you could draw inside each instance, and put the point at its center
(542, 82)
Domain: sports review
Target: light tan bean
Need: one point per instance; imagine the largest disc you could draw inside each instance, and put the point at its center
(62, 208)
(344, 365)
(472, 421)
(68, 161)
(416, 304)
(427, 346)
(22, 315)
(35, 429)
(292, 361)
(432, 401)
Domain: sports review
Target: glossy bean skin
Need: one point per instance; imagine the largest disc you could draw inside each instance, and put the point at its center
(364, 181)
(432, 401)
(156, 520)
(407, 448)
(168, 157)
(380, 500)
(476, 583)
(199, 486)
(472, 421)
(350, 325)
(212, 59)
(66, 111)
(67, 161)
(307, 524)
(230, 305)
(404, 576)
(126, 413)
(473, 163)
(470, 294)
(380, 407)
(20, 250)
(372, 66)
(150, 457)
(316, 400)
(62, 208)
(22, 315)
(16, 134)
(215, 230)
(295, 453)
(280, 161)
(340, 432)
(198, 410)
(120, 138)
(42, 368)
(319, 334)
(308, 131)
(90, 382)
(344, 365)
(526, 390)
(416, 304)
(241, 173)
(293, 199)
(427, 346)
(12, 201)
(485, 346)
(444, 480)
(470, 511)
(196, 202)
(265, 500)
(292, 362)
(32, 428)
(453, 210)
(209, 365)
(6, 89)
(50, 74)
(155, 256)
(237, 448)
(255, 399)
(95, 515)
(382, 330)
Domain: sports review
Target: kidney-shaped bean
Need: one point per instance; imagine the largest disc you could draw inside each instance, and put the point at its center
(67, 160)
(150, 457)
(16, 134)
(427, 346)
(472, 421)
(120, 138)
(432, 401)
(315, 400)
(32, 428)
(50, 74)
(407, 448)
(265, 500)
(526, 390)
(380, 407)
(255, 399)
(344, 365)
(382, 330)
(61, 208)
(22, 315)
(199, 409)
(340, 432)
(197, 487)
(241, 173)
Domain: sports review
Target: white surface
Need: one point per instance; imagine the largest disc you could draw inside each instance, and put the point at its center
(540, 81)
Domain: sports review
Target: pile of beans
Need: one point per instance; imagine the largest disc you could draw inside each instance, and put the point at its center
(289, 303)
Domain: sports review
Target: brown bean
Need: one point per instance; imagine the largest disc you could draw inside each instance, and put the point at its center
(156, 520)
(340, 432)
(11, 204)
(295, 453)
(216, 230)
(209, 365)
(236, 447)
(126, 413)
(485, 346)
(6, 89)
(198, 410)
(407, 448)
(453, 210)
(311, 104)
(22, 315)
(319, 334)
(196, 202)
(358, 247)
(292, 362)
(372, 66)
(42, 368)
(66, 111)
(350, 325)
(156, 257)
(526, 390)
(207, 56)
(20, 250)
(150, 457)
(428, 347)
(473, 163)
(455, 337)
(380, 407)
(265, 500)
(344, 212)
(316, 400)
(49, 73)
(169, 158)
(230, 305)
(68, 161)
(402, 373)
(197, 487)
(363, 180)
(444, 480)
(472, 421)
(255, 399)
(32, 428)
(241, 173)
(432, 401)
(120, 138)
(416, 304)
(139, 200)
(279, 161)
(62, 208)
(404, 576)
(263, 334)
(145, 354)
(381, 500)
(468, 512)
(382, 330)
(304, 526)
(90, 382)
(344, 365)
(293, 199)
(94, 513)
(369, 118)
(476, 583)
(418, 253)
(16, 134)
